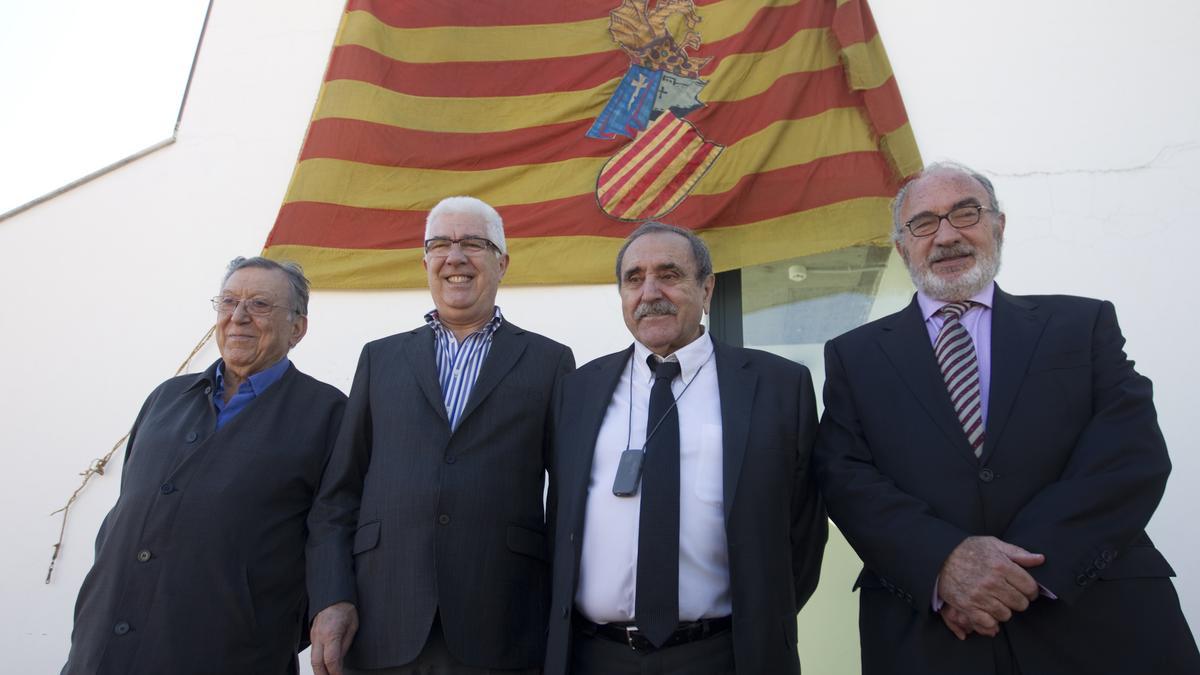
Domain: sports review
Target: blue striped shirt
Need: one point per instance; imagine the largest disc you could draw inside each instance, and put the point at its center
(458, 363)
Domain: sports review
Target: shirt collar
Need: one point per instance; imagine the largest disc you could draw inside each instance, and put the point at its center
(691, 357)
(929, 306)
(432, 320)
(258, 382)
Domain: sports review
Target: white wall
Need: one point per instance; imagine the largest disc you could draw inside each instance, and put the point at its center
(1084, 112)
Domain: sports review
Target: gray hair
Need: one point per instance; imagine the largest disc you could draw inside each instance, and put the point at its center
(939, 167)
(704, 266)
(471, 206)
(294, 273)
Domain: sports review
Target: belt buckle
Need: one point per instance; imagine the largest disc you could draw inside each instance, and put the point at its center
(630, 632)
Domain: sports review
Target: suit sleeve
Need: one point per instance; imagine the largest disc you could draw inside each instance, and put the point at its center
(1111, 483)
(566, 364)
(334, 514)
(897, 535)
(810, 527)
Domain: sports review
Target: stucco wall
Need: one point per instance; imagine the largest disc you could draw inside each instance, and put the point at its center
(1083, 112)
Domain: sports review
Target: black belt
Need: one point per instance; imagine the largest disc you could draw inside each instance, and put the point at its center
(628, 634)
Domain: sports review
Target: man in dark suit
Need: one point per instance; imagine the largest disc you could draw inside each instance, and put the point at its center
(428, 551)
(689, 531)
(994, 460)
(200, 564)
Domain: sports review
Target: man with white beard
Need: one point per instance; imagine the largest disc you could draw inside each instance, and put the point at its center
(994, 460)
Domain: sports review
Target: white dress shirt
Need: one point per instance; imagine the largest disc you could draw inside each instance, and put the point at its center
(608, 566)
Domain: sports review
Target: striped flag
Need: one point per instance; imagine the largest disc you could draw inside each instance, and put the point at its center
(774, 128)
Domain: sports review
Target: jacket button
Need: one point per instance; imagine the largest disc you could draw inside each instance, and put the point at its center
(1108, 555)
(167, 488)
(1081, 580)
(986, 475)
(144, 555)
(208, 390)
(450, 459)
(121, 628)
(566, 612)
(444, 519)
(571, 537)
(191, 437)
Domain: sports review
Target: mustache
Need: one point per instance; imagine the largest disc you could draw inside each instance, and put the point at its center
(656, 308)
(943, 252)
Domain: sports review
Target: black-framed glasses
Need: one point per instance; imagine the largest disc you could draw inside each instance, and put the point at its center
(439, 247)
(959, 218)
(227, 304)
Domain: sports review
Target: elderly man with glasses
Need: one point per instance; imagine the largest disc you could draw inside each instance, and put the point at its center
(200, 564)
(428, 551)
(994, 460)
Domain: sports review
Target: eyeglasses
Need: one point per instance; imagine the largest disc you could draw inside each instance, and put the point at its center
(962, 217)
(439, 247)
(227, 304)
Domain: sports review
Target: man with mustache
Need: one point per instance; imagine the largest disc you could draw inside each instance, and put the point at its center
(689, 531)
(428, 551)
(994, 460)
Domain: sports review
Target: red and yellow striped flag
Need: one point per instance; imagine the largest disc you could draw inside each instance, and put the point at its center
(774, 128)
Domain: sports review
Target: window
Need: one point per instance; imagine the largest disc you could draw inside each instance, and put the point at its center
(792, 308)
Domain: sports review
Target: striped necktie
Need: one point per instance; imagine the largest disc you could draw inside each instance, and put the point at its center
(956, 357)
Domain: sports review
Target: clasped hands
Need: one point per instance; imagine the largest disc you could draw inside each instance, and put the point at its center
(983, 582)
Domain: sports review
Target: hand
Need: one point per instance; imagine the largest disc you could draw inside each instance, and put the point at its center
(958, 623)
(332, 632)
(985, 581)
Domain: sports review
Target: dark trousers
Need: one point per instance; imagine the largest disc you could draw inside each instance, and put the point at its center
(1006, 662)
(591, 655)
(435, 659)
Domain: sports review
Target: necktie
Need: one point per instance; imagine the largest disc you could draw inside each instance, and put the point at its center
(956, 357)
(656, 607)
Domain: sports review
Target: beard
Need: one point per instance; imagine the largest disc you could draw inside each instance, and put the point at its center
(965, 285)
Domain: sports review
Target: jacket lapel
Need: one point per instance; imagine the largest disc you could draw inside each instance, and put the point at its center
(422, 359)
(506, 348)
(736, 385)
(597, 383)
(1016, 329)
(905, 340)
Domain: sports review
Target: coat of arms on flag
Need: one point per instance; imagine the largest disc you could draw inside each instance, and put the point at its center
(650, 175)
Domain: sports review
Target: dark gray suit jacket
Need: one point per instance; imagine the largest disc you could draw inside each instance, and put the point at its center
(413, 519)
(774, 521)
(1073, 466)
(200, 564)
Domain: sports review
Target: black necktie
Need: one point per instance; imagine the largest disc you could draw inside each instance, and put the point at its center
(656, 608)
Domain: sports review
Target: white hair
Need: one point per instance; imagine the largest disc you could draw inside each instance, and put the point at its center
(471, 206)
(936, 168)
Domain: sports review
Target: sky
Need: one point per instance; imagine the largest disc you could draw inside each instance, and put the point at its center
(86, 84)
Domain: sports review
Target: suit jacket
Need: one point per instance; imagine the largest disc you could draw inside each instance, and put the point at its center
(774, 521)
(200, 564)
(1073, 466)
(413, 519)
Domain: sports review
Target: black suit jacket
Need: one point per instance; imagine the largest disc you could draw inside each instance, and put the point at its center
(412, 519)
(774, 521)
(1073, 466)
(200, 564)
